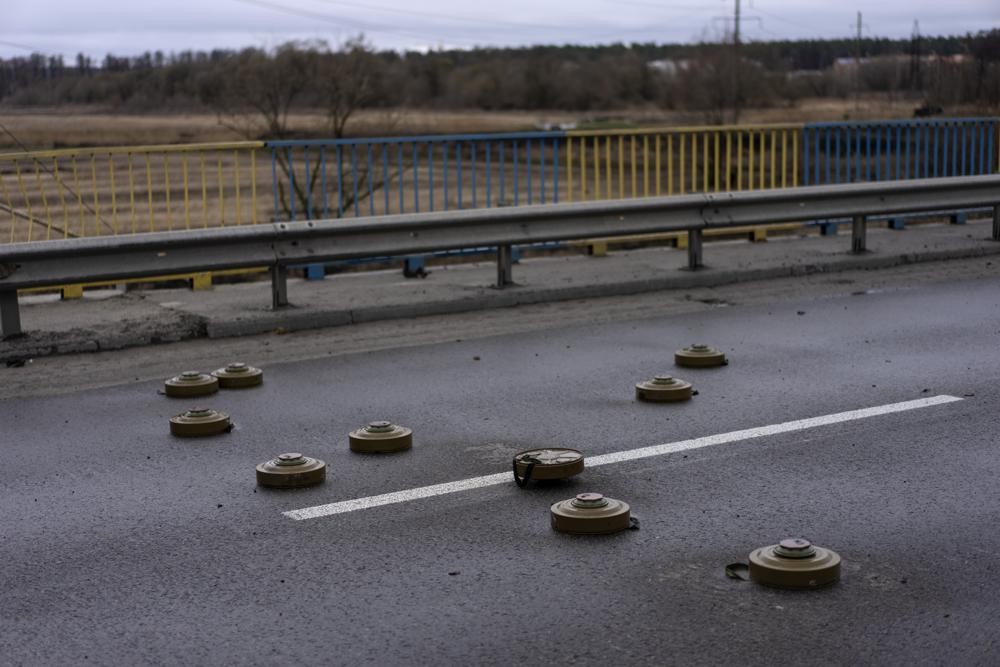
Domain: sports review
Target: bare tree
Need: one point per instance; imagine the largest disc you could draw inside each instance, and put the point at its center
(347, 81)
(255, 95)
(985, 48)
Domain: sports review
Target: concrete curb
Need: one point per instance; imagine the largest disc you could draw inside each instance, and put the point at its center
(188, 326)
(519, 296)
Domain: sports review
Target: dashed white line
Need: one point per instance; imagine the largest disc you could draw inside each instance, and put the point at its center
(618, 457)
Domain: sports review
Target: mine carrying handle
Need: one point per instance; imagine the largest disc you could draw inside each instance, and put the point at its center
(523, 481)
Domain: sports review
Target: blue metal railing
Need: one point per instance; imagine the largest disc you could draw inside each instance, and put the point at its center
(891, 150)
(327, 178)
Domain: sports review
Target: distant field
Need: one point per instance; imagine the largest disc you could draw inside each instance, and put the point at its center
(68, 128)
(76, 127)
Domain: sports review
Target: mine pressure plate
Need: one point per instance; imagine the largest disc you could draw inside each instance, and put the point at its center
(380, 437)
(663, 388)
(794, 563)
(591, 514)
(547, 463)
(200, 421)
(238, 375)
(291, 471)
(700, 356)
(191, 383)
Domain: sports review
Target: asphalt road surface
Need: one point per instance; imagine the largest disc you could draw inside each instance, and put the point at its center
(125, 545)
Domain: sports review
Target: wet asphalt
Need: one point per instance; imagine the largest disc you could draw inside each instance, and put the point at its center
(125, 545)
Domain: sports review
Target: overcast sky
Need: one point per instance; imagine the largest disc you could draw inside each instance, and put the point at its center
(97, 27)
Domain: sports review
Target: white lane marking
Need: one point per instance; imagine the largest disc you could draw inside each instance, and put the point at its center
(763, 431)
(618, 457)
(399, 496)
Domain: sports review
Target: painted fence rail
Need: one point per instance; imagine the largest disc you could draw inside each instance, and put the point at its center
(73, 193)
(359, 177)
(652, 162)
(362, 177)
(894, 150)
(123, 190)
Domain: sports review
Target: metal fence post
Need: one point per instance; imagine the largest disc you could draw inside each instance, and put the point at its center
(694, 249)
(858, 230)
(505, 266)
(10, 316)
(996, 222)
(279, 286)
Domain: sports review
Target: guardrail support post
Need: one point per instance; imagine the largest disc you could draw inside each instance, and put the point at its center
(859, 227)
(505, 266)
(694, 249)
(10, 315)
(996, 222)
(279, 286)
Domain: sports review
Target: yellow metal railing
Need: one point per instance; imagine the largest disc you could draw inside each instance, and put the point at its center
(54, 194)
(125, 190)
(617, 164)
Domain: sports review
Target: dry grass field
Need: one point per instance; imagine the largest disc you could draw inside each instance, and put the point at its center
(48, 128)
(41, 129)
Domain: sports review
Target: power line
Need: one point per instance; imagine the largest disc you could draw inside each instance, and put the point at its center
(447, 17)
(340, 21)
(656, 5)
(19, 46)
(760, 26)
(482, 20)
(369, 27)
(782, 19)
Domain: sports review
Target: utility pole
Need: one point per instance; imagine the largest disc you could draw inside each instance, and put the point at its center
(736, 63)
(916, 84)
(857, 67)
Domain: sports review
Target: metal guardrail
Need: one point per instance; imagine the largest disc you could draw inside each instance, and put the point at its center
(279, 245)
